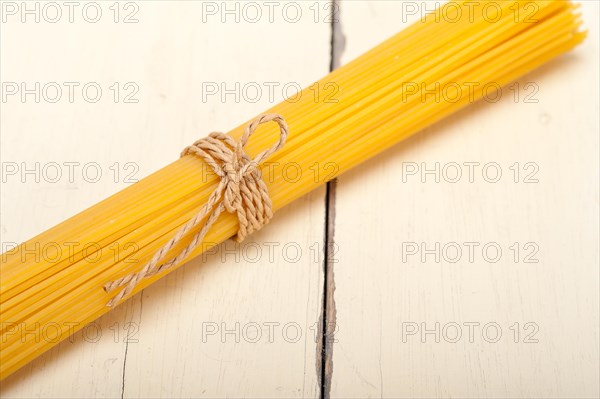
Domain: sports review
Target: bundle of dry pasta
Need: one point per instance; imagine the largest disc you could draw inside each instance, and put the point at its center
(455, 56)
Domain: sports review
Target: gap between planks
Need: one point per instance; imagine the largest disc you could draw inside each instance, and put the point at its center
(327, 322)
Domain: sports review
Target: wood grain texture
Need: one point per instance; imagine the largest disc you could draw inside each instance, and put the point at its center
(386, 296)
(241, 322)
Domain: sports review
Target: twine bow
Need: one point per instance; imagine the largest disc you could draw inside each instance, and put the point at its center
(241, 190)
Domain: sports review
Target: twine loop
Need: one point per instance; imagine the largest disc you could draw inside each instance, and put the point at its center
(241, 191)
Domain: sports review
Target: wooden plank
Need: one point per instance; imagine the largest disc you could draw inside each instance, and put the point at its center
(171, 340)
(386, 297)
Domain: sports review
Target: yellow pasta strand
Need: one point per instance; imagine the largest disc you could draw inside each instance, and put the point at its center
(386, 95)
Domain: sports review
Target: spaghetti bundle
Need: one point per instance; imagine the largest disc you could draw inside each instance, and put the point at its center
(456, 55)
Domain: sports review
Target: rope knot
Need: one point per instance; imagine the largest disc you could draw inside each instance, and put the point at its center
(238, 173)
(241, 190)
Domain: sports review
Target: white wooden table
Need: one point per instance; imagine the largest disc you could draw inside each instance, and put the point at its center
(446, 280)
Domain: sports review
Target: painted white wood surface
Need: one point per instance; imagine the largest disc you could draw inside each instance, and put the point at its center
(170, 53)
(378, 294)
